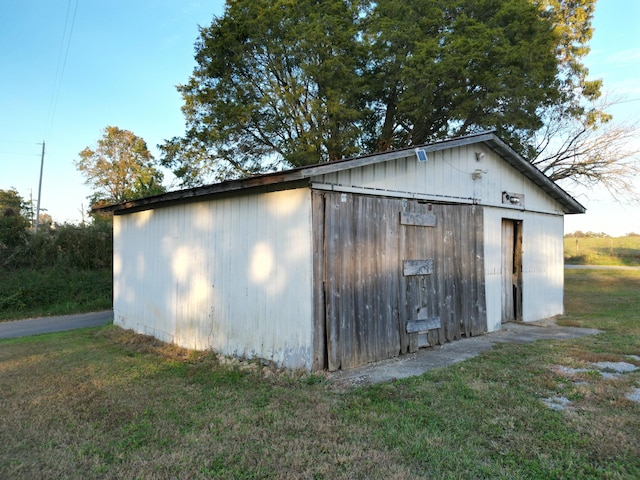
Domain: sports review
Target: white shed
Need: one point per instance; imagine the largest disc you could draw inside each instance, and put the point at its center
(338, 264)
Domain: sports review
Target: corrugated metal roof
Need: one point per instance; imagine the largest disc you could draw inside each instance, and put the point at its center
(301, 176)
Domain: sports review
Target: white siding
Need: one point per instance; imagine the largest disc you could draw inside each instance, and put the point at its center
(447, 176)
(542, 264)
(233, 275)
(543, 267)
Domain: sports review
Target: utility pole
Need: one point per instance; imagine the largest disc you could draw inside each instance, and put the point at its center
(39, 189)
(32, 220)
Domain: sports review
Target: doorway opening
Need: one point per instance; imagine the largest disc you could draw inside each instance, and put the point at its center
(511, 270)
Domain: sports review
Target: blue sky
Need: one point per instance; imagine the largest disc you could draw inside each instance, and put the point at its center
(124, 59)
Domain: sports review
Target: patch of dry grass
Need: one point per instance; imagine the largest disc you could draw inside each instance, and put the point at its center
(109, 403)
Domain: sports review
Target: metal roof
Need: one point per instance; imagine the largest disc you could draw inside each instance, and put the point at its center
(301, 175)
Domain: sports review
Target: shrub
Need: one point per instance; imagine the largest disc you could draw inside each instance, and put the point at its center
(85, 248)
(81, 247)
(53, 291)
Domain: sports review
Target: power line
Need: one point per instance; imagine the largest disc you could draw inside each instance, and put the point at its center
(17, 142)
(57, 85)
(21, 154)
(628, 101)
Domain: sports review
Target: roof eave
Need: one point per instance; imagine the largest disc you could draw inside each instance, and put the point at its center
(292, 175)
(570, 204)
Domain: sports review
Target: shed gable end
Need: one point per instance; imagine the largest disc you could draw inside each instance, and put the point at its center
(471, 174)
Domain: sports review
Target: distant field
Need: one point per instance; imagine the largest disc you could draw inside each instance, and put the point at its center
(602, 251)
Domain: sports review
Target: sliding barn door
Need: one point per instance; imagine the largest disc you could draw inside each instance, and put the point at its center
(360, 280)
(391, 275)
(449, 303)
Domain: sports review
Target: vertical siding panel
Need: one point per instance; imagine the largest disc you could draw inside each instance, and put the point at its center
(493, 267)
(447, 281)
(361, 256)
(415, 173)
(469, 270)
(461, 229)
(263, 229)
(391, 267)
(459, 255)
(376, 228)
(355, 177)
(319, 268)
(420, 280)
(382, 225)
(369, 323)
(349, 355)
(333, 295)
(403, 299)
(227, 271)
(480, 314)
(172, 220)
(412, 282)
(448, 173)
(438, 271)
(436, 337)
(241, 243)
(440, 259)
(453, 216)
(176, 287)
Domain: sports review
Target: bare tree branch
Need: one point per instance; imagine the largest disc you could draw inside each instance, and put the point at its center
(591, 150)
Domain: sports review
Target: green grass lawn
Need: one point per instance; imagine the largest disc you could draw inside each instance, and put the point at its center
(105, 403)
(602, 250)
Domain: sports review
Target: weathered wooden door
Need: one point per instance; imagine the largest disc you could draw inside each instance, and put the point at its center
(391, 275)
(511, 270)
(419, 245)
(452, 299)
(360, 280)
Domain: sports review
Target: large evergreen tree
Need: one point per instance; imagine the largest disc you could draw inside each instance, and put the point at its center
(292, 82)
(276, 83)
(451, 68)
